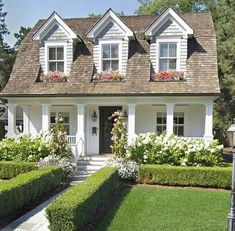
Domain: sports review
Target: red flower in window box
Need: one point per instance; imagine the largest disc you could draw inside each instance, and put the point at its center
(54, 76)
(168, 76)
(109, 76)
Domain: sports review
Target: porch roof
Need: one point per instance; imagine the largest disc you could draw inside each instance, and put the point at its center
(201, 73)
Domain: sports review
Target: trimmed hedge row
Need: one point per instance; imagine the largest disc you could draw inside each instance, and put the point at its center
(75, 208)
(19, 191)
(10, 169)
(214, 177)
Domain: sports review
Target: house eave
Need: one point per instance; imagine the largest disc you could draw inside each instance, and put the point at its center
(108, 95)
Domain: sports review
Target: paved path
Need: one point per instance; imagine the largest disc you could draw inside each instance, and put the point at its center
(35, 220)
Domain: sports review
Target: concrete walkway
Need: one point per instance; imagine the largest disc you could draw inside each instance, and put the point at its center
(35, 220)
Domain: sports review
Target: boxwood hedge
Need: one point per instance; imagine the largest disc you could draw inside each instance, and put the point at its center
(75, 208)
(215, 177)
(9, 169)
(19, 191)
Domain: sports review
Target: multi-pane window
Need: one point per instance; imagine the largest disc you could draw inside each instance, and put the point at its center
(56, 59)
(110, 57)
(63, 118)
(161, 122)
(179, 123)
(167, 56)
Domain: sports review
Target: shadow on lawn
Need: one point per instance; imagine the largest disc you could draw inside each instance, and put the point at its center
(107, 212)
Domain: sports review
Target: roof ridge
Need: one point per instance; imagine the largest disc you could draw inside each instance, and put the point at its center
(128, 16)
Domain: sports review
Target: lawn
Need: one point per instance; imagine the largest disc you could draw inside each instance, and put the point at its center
(152, 208)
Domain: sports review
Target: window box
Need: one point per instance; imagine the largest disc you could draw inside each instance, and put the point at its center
(108, 76)
(168, 76)
(54, 76)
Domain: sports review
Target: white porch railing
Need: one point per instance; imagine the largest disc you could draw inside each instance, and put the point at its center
(193, 138)
(72, 140)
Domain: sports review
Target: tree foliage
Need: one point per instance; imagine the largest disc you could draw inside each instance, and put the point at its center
(157, 6)
(8, 54)
(93, 15)
(20, 36)
(224, 17)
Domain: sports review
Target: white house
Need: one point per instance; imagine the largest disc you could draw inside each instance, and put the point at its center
(161, 70)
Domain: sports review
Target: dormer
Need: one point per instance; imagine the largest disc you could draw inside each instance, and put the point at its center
(168, 36)
(56, 41)
(110, 36)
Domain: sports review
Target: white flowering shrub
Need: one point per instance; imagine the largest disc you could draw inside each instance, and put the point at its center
(69, 168)
(127, 169)
(152, 149)
(24, 148)
(29, 148)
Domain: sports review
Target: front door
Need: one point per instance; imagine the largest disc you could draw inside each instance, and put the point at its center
(106, 126)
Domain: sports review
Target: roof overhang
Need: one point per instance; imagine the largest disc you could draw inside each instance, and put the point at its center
(104, 20)
(54, 19)
(168, 13)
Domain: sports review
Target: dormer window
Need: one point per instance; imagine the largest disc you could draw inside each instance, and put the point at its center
(167, 56)
(56, 59)
(110, 57)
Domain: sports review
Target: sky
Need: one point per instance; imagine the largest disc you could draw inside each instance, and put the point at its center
(27, 12)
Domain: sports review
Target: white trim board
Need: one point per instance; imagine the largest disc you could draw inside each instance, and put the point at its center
(169, 13)
(53, 19)
(105, 19)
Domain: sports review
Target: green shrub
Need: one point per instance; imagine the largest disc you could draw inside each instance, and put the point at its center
(10, 169)
(215, 177)
(21, 190)
(75, 208)
(152, 149)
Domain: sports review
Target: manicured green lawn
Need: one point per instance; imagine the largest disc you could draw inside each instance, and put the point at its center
(163, 209)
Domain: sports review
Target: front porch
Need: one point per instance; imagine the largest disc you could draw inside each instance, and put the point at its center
(191, 117)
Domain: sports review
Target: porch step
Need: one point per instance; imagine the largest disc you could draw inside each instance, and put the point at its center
(92, 162)
(85, 172)
(88, 165)
(94, 158)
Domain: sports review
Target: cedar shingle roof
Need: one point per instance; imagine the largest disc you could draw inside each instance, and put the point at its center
(201, 77)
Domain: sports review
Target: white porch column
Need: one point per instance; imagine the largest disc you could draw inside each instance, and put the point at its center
(26, 119)
(169, 119)
(11, 131)
(208, 135)
(81, 129)
(131, 123)
(45, 117)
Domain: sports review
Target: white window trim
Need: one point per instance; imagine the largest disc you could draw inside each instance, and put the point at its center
(178, 108)
(179, 125)
(168, 40)
(55, 44)
(101, 43)
(56, 114)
